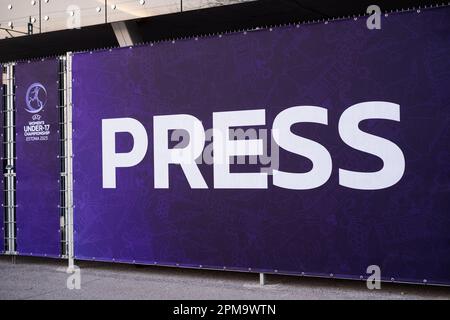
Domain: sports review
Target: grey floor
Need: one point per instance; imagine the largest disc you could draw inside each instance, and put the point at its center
(34, 278)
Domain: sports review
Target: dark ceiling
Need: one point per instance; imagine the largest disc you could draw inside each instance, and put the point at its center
(200, 22)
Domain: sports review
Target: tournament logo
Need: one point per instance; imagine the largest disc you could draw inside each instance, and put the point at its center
(36, 98)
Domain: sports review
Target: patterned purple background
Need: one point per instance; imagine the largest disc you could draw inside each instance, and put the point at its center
(37, 166)
(2, 195)
(332, 229)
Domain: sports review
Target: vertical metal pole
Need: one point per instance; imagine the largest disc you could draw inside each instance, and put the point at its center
(262, 279)
(8, 137)
(5, 212)
(40, 16)
(63, 154)
(106, 11)
(9, 174)
(66, 175)
(181, 5)
(30, 27)
(69, 157)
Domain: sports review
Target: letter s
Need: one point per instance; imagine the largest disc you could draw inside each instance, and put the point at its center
(390, 153)
(318, 154)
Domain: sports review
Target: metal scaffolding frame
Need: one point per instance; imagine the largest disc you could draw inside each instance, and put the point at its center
(66, 156)
(9, 160)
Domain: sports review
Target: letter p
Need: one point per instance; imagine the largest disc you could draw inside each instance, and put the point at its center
(112, 160)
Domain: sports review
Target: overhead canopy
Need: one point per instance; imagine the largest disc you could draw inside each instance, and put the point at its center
(198, 22)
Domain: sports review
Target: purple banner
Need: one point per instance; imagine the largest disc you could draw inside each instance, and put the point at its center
(37, 164)
(360, 176)
(2, 119)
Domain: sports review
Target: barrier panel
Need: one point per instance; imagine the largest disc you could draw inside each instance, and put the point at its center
(2, 214)
(355, 174)
(316, 150)
(395, 217)
(38, 165)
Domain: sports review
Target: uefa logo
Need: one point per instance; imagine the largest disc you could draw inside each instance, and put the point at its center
(36, 98)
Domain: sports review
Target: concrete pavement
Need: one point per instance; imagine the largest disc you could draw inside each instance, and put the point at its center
(35, 278)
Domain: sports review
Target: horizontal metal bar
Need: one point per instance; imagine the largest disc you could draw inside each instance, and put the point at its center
(11, 253)
(12, 174)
